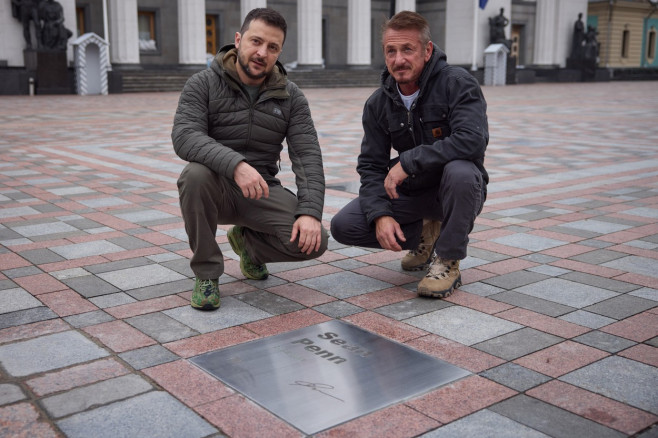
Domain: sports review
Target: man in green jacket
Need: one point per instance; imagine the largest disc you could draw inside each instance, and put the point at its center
(230, 125)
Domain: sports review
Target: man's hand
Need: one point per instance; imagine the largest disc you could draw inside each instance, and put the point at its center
(249, 180)
(309, 231)
(394, 178)
(388, 231)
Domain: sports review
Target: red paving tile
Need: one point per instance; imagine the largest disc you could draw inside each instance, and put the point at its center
(12, 261)
(473, 275)
(561, 358)
(78, 375)
(387, 275)
(239, 417)
(40, 284)
(380, 257)
(543, 323)
(455, 353)
(587, 268)
(594, 407)
(642, 280)
(507, 266)
(148, 306)
(477, 302)
(302, 294)
(642, 353)
(386, 327)
(461, 398)
(119, 336)
(399, 421)
(637, 328)
(67, 302)
(285, 323)
(33, 330)
(188, 383)
(196, 345)
(379, 298)
(22, 420)
(307, 272)
(566, 251)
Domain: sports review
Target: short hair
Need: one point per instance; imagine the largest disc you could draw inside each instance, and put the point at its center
(405, 20)
(269, 16)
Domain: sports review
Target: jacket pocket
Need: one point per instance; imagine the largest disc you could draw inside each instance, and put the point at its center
(401, 137)
(435, 123)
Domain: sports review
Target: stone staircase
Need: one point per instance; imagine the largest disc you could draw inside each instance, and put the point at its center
(140, 81)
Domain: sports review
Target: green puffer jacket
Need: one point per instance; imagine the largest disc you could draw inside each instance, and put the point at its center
(217, 125)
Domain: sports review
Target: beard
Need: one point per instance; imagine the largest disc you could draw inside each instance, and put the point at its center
(244, 64)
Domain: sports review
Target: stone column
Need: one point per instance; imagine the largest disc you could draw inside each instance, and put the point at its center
(124, 35)
(358, 33)
(545, 32)
(191, 31)
(248, 5)
(405, 5)
(309, 41)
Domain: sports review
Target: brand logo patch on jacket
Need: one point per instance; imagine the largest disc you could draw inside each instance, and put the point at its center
(277, 111)
(437, 132)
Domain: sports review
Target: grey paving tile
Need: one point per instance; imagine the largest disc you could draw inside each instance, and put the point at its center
(529, 242)
(518, 343)
(108, 201)
(602, 282)
(148, 357)
(587, 319)
(88, 318)
(145, 217)
(481, 289)
(129, 242)
(40, 256)
(515, 376)
(643, 212)
(101, 268)
(15, 299)
(10, 393)
(352, 251)
(515, 279)
(598, 256)
(646, 293)
(535, 304)
(275, 268)
(652, 342)
(90, 286)
(348, 264)
(141, 276)
(621, 307)
(17, 211)
(551, 271)
(170, 288)
(27, 316)
(552, 421)
(338, 309)
(42, 229)
(636, 265)
(345, 284)
(604, 341)
(155, 413)
(161, 327)
(22, 272)
(568, 293)
(7, 284)
(484, 423)
(107, 391)
(413, 307)
(269, 282)
(651, 432)
(487, 255)
(111, 300)
(180, 265)
(596, 243)
(86, 249)
(232, 312)
(48, 352)
(269, 302)
(463, 325)
(596, 226)
(622, 379)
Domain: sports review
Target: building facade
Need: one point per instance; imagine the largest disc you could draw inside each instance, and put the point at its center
(342, 34)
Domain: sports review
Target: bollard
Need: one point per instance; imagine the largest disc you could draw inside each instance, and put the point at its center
(31, 86)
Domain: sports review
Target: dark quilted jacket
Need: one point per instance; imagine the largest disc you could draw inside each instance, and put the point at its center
(218, 126)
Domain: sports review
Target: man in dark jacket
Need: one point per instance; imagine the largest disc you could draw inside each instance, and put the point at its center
(427, 198)
(230, 124)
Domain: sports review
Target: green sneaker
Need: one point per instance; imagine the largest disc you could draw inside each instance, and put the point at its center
(249, 269)
(205, 295)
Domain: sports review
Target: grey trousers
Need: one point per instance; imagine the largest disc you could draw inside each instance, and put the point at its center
(456, 202)
(207, 199)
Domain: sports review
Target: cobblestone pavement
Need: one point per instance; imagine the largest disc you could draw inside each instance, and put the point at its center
(557, 320)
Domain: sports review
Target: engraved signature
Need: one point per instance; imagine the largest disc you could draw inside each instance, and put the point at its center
(317, 387)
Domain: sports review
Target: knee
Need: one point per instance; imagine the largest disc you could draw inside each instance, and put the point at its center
(462, 177)
(193, 176)
(339, 229)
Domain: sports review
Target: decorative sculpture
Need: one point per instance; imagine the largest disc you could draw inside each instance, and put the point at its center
(47, 16)
(27, 12)
(497, 26)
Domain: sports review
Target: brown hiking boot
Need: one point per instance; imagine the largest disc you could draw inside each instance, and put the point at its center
(441, 280)
(419, 258)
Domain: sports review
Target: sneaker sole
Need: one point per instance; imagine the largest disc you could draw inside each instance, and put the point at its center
(204, 307)
(234, 245)
(442, 293)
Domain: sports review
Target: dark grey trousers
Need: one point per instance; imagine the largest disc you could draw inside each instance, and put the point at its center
(207, 199)
(456, 202)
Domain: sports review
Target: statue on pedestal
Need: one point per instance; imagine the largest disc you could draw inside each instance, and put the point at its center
(497, 26)
(53, 33)
(578, 38)
(27, 12)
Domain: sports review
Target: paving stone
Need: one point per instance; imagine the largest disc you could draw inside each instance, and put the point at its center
(86, 249)
(348, 264)
(515, 279)
(88, 318)
(587, 319)
(22, 272)
(598, 257)
(621, 307)
(621, 379)
(601, 282)
(41, 256)
(551, 420)
(48, 353)
(118, 265)
(481, 289)
(10, 393)
(566, 292)
(596, 226)
(515, 376)
(535, 304)
(232, 312)
(170, 288)
(44, 228)
(518, 343)
(646, 292)
(15, 299)
(7, 284)
(338, 309)
(345, 284)
(463, 325)
(129, 242)
(148, 357)
(27, 316)
(551, 271)
(269, 302)
(529, 242)
(635, 264)
(141, 276)
(410, 308)
(275, 268)
(161, 327)
(155, 413)
(90, 286)
(111, 300)
(180, 265)
(484, 423)
(80, 399)
(604, 341)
